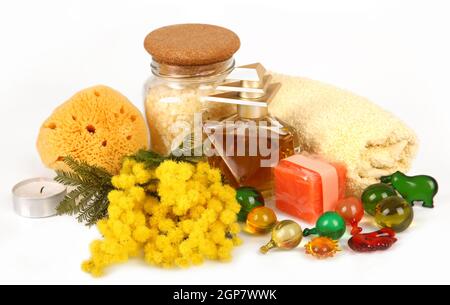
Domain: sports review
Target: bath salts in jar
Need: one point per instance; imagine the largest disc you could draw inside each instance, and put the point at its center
(188, 61)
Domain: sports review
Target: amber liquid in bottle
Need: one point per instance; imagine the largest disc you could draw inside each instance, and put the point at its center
(248, 145)
(246, 151)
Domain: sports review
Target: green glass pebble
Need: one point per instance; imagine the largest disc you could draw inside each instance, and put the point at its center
(395, 213)
(374, 194)
(249, 198)
(329, 224)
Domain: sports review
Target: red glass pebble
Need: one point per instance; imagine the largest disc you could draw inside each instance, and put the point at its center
(379, 240)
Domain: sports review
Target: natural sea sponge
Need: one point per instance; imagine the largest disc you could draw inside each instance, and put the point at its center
(97, 125)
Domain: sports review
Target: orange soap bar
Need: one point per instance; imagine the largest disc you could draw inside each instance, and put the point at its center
(307, 186)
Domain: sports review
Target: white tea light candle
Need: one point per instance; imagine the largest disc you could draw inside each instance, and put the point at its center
(37, 197)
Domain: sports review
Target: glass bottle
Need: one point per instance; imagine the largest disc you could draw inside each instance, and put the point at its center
(249, 144)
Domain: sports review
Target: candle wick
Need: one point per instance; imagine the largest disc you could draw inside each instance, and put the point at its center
(42, 188)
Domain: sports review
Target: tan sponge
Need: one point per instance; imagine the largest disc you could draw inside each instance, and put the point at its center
(97, 125)
(344, 127)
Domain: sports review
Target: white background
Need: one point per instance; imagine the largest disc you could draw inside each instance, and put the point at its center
(394, 52)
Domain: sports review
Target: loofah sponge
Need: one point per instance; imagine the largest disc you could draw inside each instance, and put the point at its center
(344, 127)
(97, 125)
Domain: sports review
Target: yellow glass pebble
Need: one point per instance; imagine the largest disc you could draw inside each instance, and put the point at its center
(261, 220)
(286, 234)
(395, 213)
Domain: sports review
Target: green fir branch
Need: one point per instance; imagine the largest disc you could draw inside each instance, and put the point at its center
(88, 173)
(69, 203)
(69, 178)
(89, 199)
(94, 209)
(180, 154)
(149, 158)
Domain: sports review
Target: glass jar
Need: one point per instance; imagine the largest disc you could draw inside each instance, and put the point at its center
(173, 97)
(189, 60)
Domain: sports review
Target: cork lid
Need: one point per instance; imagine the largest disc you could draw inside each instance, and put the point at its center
(191, 44)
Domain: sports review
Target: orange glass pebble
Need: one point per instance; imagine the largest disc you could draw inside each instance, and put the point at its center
(322, 247)
(261, 220)
(352, 210)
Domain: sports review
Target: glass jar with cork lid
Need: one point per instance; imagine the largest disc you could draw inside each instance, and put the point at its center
(188, 61)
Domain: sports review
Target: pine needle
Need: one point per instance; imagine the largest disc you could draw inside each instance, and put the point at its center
(181, 154)
(89, 199)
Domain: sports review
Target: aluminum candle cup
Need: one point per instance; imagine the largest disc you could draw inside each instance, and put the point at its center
(37, 197)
